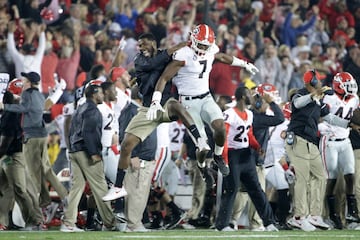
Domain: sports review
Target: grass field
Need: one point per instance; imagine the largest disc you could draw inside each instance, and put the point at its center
(182, 235)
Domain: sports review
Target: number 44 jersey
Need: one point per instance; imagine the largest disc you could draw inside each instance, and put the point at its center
(340, 108)
(193, 78)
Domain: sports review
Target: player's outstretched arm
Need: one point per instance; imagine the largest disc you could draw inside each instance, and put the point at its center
(234, 61)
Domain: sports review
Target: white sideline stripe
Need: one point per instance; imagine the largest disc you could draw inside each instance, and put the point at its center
(306, 236)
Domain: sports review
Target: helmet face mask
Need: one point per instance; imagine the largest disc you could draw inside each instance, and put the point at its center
(344, 84)
(202, 38)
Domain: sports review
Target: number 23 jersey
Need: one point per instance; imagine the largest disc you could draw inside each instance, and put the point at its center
(193, 78)
(238, 126)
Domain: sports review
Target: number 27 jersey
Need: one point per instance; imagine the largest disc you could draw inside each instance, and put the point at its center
(238, 126)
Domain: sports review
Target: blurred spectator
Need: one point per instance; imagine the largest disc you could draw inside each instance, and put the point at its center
(28, 58)
(130, 50)
(32, 8)
(87, 51)
(128, 13)
(269, 63)
(330, 58)
(293, 25)
(106, 58)
(318, 34)
(283, 80)
(296, 80)
(98, 23)
(220, 80)
(331, 10)
(48, 64)
(69, 57)
(6, 64)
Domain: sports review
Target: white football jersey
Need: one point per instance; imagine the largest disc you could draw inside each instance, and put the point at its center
(110, 124)
(176, 134)
(340, 108)
(237, 137)
(122, 99)
(193, 78)
(276, 144)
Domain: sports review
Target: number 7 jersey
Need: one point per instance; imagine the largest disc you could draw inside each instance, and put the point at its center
(193, 78)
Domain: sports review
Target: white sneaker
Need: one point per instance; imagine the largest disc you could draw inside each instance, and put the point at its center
(114, 193)
(302, 223)
(140, 228)
(202, 145)
(65, 228)
(258, 229)
(235, 224)
(271, 228)
(317, 221)
(226, 229)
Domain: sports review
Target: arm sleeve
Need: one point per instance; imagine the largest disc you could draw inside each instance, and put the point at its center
(149, 64)
(252, 140)
(226, 148)
(22, 107)
(301, 101)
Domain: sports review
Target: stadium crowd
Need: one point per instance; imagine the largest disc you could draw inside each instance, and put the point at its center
(109, 105)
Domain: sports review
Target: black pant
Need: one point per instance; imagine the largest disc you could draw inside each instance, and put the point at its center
(243, 169)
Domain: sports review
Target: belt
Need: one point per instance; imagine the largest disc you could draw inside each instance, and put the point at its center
(196, 97)
(269, 166)
(337, 139)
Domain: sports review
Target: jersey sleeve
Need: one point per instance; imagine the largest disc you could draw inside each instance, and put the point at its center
(180, 55)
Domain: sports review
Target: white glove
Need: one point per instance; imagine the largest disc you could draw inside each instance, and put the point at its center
(122, 43)
(155, 106)
(56, 93)
(290, 176)
(251, 68)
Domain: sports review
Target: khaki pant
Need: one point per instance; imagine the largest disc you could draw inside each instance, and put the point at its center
(310, 177)
(137, 183)
(40, 171)
(357, 176)
(16, 185)
(84, 169)
(199, 188)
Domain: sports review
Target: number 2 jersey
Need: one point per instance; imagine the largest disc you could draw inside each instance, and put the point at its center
(341, 108)
(239, 134)
(193, 78)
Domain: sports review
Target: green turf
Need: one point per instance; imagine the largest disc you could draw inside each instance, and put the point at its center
(182, 235)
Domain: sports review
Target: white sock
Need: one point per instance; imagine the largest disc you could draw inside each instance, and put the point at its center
(218, 150)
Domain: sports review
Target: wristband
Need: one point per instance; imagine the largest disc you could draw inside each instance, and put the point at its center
(156, 96)
(238, 62)
(115, 149)
(285, 166)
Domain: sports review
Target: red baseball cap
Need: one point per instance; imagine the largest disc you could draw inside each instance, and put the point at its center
(309, 75)
(117, 72)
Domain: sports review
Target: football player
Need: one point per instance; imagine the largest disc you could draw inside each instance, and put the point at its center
(335, 146)
(189, 71)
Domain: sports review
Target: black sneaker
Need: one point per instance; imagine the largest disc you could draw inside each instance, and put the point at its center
(175, 220)
(283, 226)
(336, 221)
(352, 218)
(224, 169)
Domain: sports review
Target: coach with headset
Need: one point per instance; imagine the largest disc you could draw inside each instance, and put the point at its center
(303, 152)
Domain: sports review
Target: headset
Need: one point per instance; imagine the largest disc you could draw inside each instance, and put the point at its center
(314, 81)
(258, 101)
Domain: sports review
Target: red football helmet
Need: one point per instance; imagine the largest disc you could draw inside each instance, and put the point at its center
(270, 89)
(286, 109)
(344, 84)
(15, 86)
(202, 37)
